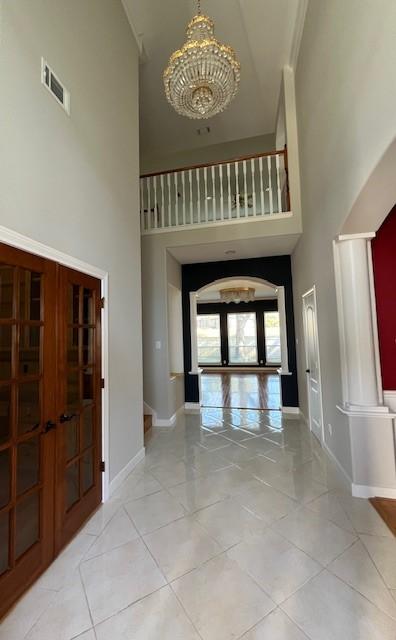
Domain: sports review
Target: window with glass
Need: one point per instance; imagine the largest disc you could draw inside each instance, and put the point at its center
(209, 339)
(272, 337)
(242, 338)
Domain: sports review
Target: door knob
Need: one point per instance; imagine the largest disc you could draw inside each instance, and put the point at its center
(49, 426)
(66, 417)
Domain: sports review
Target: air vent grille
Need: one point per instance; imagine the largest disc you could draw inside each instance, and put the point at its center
(55, 86)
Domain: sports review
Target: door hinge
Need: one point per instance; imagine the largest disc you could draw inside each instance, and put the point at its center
(102, 303)
(102, 383)
(102, 466)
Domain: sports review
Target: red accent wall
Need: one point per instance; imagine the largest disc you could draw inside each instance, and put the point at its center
(384, 262)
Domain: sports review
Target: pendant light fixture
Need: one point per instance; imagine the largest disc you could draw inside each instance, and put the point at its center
(203, 76)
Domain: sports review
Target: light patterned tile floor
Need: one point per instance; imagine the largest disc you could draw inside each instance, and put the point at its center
(235, 526)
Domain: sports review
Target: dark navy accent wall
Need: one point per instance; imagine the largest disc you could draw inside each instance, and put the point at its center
(277, 271)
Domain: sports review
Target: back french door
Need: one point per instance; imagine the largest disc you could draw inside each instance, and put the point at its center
(50, 413)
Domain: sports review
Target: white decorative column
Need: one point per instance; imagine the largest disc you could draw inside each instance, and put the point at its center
(371, 424)
(359, 332)
(194, 342)
(283, 332)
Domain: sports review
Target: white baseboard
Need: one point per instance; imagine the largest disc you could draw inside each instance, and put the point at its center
(360, 490)
(364, 491)
(390, 400)
(192, 406)
(338, 464)
(161, 422)
(295, 410)
(303, 418)
(166, 422)
(124, 473)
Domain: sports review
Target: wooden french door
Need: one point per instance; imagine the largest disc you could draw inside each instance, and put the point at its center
(50, 413)
(78, 435)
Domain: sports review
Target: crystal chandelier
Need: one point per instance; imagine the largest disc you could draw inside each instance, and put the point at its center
(245, 294)
(203, 76)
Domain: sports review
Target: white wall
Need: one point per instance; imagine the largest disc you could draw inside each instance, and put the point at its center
(208, 153)
(346, 119)
(72, 183)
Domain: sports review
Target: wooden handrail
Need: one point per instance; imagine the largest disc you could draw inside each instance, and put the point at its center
(282, 152)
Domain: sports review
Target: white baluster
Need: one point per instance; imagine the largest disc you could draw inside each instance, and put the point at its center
(191, 197)
(214, 193)
(261, 186)
(155, 203)
(229, 190)
(221, 192)
(206, 192)
(184, 196)
(253, 169)
(175, 181)
(237, 190)
(198, 196)
(271, 204)
(245, 189)
(142, 207)
(169, 200)
(278, 183)
(149, 201)
(162, 201)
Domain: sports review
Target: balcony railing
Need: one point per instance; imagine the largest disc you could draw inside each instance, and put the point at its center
(244, 189)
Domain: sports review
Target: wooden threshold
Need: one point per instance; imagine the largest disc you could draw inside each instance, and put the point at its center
(386, 508)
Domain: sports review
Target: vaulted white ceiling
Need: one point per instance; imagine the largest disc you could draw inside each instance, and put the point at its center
(263, 33)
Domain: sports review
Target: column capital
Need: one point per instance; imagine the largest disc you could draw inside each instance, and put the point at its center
(369, 235)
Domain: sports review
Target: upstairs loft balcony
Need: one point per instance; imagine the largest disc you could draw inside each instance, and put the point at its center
(240, 190)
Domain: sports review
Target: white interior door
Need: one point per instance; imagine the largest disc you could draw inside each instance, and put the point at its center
(313, 364)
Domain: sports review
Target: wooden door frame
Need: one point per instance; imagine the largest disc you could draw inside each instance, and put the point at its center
(310, 291)
(19, 241)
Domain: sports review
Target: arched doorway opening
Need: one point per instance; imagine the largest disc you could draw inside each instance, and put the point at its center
(239, 350)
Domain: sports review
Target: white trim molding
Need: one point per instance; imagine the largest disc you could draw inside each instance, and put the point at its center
(124, 473)
(298, 32)
(390, 399)
(338, 464)
(138, 37)
(365, 491)
(192, 407)
(162, 422)
(293, 410)
(19, 241)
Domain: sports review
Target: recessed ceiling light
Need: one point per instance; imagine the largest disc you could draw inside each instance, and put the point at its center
(230, 252)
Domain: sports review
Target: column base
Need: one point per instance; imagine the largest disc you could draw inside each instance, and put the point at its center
(364, 410)
(373, 453)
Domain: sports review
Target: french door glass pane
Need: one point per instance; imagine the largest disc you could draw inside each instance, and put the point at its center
(27, 524)
(272, 337)
(209, 341)
(4, 540)
(242, 338)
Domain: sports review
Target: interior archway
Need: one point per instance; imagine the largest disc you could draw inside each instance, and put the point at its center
(230, 389)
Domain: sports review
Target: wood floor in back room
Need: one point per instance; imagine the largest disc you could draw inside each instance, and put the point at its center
(240, 390)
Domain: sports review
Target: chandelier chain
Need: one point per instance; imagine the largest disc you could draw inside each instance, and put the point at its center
(199, 7)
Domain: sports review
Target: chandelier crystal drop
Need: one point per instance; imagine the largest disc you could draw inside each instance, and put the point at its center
(237, 295)
(203, 76)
